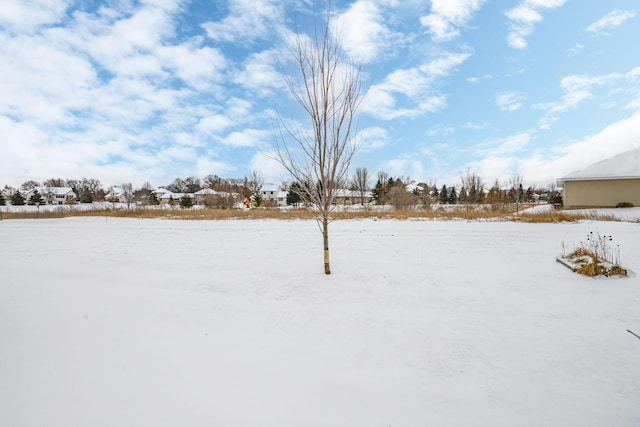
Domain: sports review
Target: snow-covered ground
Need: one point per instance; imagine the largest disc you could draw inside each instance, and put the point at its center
(128, 322)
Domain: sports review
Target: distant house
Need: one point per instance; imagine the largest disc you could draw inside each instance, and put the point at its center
(209, 195)
(341, 196)
(281, 198)
(167, 197)
(351, 197)
(52, 195)
(604, 184)
(273, 196)
(116, 194)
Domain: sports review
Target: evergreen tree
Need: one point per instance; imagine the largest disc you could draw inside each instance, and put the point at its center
(520, 194)
(153, 199)
(186, 202)
(444, 195)
(86, 197)
(36, 198)
(17, 199)
(452, 198)
(2, 201)
(528, 195)
(379, 192)
(375, 192)
(256, 199)
(293, 195)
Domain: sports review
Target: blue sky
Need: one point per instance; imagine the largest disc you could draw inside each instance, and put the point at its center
(135, 91)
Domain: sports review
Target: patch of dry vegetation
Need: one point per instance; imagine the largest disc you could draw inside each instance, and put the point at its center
(557, 216)
(596, 256)
(435, 212)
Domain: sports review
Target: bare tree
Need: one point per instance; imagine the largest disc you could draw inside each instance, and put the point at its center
(360, 183)
(128, 193)
(29, 185)
(192, 184)
(327, 87)
(145, 195)
(473, 186)
(423, 191)
(178, 185)
(212, 181)
(90, 190)
(400, 198)
(253, 188)
(54, 182)
(517, 191)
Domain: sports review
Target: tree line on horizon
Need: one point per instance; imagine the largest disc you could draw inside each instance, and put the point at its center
(399, 192)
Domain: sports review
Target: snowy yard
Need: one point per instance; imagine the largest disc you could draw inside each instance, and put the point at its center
(127, 322)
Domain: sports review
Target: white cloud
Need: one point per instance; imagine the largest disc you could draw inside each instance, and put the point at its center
(509, 101)
(233, 113)
(545, 123)
(505, 146)
(570, 100)
(514, 143)
(140, 45)
(635, 103)
(373, 138)
(577, 48)
(198, 66)
(448, 16)
(578, 88)
(633, 76)
(476, 126)
(27, 16)
(611, 20)
(546, 4)
(41, 155)
(551, 164)
(498, 159)
(444, 65)
(206, 166)
(411, 86)
(440, 129)
(248, 20)
(270, 169)
(214, 123)
(405, 166)
(259, 73)
(524, 17)
(247, 138)
(495, 167)
(362, 32)
(111, 92)
(477, 79)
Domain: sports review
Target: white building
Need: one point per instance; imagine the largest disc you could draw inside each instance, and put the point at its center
(52, 195)
(273, 196)
(116, 194)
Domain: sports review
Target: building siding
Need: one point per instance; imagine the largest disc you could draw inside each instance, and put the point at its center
(600, 193)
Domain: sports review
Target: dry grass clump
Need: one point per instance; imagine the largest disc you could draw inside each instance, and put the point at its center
(596, 256)
(558, 216)
(433, 212)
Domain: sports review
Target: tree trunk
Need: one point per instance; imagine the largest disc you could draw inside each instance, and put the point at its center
(325, 241)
